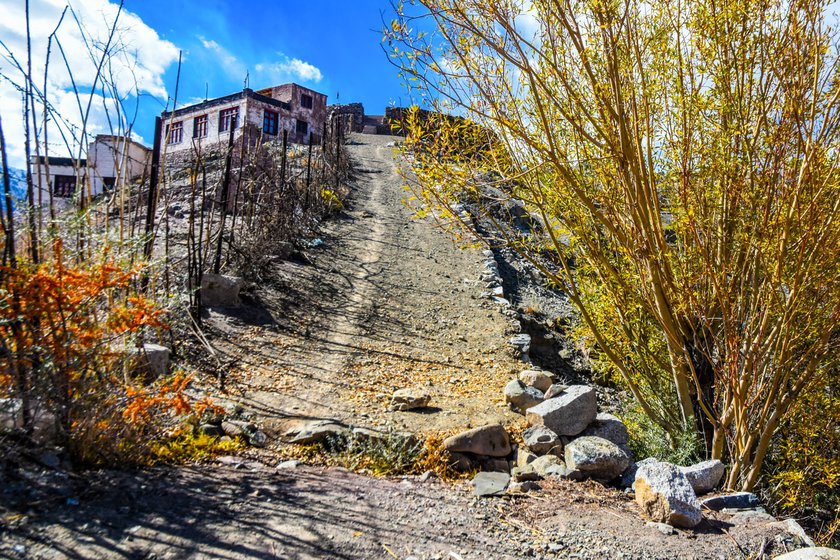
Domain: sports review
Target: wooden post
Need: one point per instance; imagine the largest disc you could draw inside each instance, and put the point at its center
(283, 161)
(337, 130)
(308, 169)
(217, 265)
(153, 185)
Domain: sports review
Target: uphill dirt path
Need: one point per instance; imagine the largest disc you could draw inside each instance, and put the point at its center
(385, 302)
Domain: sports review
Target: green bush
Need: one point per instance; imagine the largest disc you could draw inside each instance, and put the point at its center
(648, 439)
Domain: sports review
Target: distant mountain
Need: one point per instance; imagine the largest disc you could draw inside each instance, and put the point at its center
(17, 181)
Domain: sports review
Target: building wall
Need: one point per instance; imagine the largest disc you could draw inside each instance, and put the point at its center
(314, 117)
(44, 184)
(256, 114)
(213, 111)
(284, 100)
(115, 157)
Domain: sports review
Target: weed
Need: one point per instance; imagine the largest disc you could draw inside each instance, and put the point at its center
(186, 447)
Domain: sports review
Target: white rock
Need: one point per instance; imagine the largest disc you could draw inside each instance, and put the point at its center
(609, 427)
(816, 553)
(541, 440)
(490, 483)
(664, 495)
(409, 399)
(596, 457)
(536, 378)
(567, 414)
(149, 362)
(549, 465)
(521, 396)
(522, 343)
(218, 290)
(704, 476)
(791, 527)
(491, 440)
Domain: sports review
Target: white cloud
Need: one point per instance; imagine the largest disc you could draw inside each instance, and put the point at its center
(137, 65)
(227, 60)
(289, 69)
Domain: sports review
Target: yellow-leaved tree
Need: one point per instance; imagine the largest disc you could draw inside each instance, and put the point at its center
(682, 158)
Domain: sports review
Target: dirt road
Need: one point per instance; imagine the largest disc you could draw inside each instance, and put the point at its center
(388, 302)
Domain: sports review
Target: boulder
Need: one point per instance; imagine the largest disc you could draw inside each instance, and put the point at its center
(316, 431)
(794, 529)
(554, 390)
(491, 440)
(816, 553)
(737, 500)
(629, 476)
(548, 465)
(409, 399)
(490, 483)
(596, 457)
(540, 440)
(11, 415)
(218, 290)
(462, 462)
(491, 464)
(520, 396)
(609, 427)
(235, 428)
(147, 362)
(665, 496)
(536, 378)
(704, 476)
(567, 414)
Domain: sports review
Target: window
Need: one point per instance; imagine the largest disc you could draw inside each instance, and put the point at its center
(301, 127)
(109, 183)
(64, 186)
(270, 121)
(227, 117)
(305, 101)
(175, 132)
(200, 127)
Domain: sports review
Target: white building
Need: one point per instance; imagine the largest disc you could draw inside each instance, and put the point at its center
(299, 111)
(111, 159)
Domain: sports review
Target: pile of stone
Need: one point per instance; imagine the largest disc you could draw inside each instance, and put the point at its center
(492, 279)
(568, 438)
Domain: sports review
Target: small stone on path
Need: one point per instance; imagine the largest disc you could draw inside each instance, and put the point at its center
(490, 483)
(409, 399)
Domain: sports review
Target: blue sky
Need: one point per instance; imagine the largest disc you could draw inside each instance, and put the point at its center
(221, 40)
(331, 46)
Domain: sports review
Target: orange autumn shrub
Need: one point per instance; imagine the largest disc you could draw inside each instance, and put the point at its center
(62, 329)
